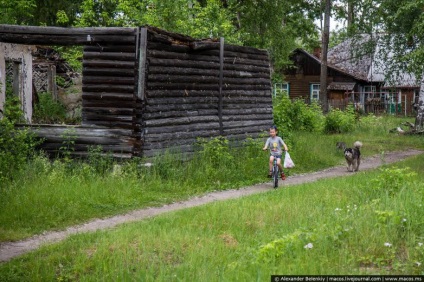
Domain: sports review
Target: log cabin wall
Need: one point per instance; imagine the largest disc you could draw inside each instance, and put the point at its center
(109, 72)
(185, 99)
(109, 87)
(146, 90)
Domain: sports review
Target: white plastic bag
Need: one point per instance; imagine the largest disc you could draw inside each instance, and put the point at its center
(288, 162)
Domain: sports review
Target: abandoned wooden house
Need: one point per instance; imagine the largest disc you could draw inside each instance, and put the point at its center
(352, 78)
(145, 90)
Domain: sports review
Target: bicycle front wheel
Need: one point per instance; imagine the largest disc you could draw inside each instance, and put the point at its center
(275, 177)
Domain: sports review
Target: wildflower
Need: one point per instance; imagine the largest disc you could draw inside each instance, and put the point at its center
(387, 244)
(420, 244)
(418, 263)
(337, 209)
(404, 220)
(309, 246)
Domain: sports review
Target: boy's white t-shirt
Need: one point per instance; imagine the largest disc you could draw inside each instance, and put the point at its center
(275, 144)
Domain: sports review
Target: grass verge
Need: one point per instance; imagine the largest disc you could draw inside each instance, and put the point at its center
(53, 195)
(367, 223)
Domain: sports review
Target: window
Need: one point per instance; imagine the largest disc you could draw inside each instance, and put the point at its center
(286, 87)
(314, 92)
(280, 87)
(369, 89)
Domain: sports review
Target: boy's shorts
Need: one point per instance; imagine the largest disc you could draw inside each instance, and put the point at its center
(276, 156)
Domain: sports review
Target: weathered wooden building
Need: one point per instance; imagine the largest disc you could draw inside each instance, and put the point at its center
(146, 89)
(354, 76)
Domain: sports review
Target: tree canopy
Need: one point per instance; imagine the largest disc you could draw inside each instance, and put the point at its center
(279, 26)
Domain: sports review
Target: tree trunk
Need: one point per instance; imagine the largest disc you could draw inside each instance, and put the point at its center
(349, 13)
(419, 121)
(325, 38)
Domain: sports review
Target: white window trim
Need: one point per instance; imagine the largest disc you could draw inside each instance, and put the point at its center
(312, 91)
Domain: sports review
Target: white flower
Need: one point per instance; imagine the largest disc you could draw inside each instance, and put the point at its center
(387, 244)
(418, 263)
(404, 220)
(337, 209)
(309, 246)
(420, 244)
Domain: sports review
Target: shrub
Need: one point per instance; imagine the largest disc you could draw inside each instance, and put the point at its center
(297, 115)
(16, 145)
(337, 121)
(216, 150)
(48, 111)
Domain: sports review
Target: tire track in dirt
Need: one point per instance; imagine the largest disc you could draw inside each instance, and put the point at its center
(10, 250)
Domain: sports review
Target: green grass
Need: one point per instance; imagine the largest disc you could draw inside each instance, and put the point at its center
(348, 221)
(52, 196)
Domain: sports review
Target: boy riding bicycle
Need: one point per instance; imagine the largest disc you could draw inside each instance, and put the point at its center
(275, 145)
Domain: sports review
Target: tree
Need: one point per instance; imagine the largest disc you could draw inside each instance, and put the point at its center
(402, 22)
(397, 26)
(16, 12)
(324, 50)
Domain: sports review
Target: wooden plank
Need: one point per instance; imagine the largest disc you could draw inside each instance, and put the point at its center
(110, 124)
(50, 30)
(151, 45)
(176, 114)
(181, 121)
(107, 47)
(185, 100)
(172, 35)
(120, 56)
(205, 79)
(107, 71)
(181, 93)
(229, 65)
(178, 107)
(208, 72)
(109, 111)
(183, 128)
(109, 64)
(109, 103)
(89, 79)
(108, 96)
(37, 39)
(142, 61)
(108, 88)
(203, 86)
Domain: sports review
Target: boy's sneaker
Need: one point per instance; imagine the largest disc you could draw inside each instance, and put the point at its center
(283, 176)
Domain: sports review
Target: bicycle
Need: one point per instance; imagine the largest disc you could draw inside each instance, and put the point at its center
(275, 173)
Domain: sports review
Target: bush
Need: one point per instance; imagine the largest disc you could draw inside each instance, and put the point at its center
(48, 111)
(337, 121)
(297, 115)
(16, 145)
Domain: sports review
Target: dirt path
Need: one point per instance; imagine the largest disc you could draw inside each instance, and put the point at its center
(9, 250)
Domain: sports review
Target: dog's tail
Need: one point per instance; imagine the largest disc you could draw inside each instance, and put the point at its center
(357, 144)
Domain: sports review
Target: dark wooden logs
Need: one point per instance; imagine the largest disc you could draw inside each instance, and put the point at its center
(119, 142)
(182, 91)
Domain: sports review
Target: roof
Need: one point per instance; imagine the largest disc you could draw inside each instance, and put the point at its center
(358, 58)
(351, 58)
(329, 65)
(345, 86)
